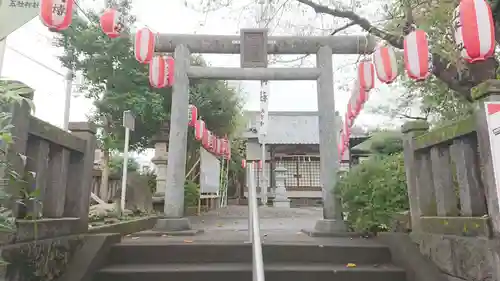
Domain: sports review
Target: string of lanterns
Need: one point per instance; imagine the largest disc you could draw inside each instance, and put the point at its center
(475, 40)
(474, 33)
(219, 147)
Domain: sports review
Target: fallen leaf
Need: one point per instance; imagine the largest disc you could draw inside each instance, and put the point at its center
(351, 265)
(188, 241)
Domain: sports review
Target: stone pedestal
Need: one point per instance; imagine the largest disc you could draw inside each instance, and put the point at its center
(160, 161)
(280, 197)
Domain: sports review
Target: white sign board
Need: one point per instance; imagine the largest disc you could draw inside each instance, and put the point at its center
(264, 110)
(16, 13)
(493, 122)
(128, 120)
(209, 172)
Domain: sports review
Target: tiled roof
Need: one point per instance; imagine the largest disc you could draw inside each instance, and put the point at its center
(285, 127)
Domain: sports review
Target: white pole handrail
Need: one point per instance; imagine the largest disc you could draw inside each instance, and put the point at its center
(254, 228)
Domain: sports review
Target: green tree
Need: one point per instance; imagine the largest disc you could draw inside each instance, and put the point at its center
(116, 164)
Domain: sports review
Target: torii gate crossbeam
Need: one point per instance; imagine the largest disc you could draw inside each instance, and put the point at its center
(254, 51)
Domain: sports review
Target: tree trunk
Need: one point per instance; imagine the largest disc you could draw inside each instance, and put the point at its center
(105, 175)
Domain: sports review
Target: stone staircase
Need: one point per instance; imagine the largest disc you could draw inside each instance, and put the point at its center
(339, 259)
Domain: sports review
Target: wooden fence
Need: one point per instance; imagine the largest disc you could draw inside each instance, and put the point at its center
(449, 170)
(114, 184)
(55, 163)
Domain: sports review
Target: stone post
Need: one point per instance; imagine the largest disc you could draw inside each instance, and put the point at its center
(80, 170)
(488, 91)
(160, 160)
(20, 120)
(410, 130)
(332, 214)
(280, 197)
(176, 169)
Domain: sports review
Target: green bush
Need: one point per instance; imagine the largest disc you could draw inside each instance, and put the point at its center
(191, 194)
(151, 181)
(373, 191)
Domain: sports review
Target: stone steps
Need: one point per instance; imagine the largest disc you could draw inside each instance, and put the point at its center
(243, 272)
(163, 259)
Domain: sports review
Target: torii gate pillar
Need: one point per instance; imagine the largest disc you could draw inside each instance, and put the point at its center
(256, 47)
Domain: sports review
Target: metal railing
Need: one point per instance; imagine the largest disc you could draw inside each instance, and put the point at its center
(254, 228)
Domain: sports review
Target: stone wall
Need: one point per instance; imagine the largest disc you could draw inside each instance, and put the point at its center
(460, 258)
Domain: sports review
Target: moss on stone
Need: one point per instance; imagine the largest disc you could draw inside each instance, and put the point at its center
(419, 125)
(43, 260)
(446, 133)
(485, 89)
(461, 226)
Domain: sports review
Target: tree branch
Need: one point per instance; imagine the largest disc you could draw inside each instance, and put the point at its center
(406, 116)
(443, 69)
(337, 30)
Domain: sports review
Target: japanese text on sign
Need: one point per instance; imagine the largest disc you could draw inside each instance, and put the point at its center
(59, 9)
(264, 108)
(24, 4)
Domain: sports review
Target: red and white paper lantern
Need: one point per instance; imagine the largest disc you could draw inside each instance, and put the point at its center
(386, 65)
(243, 163)
(56, 14)
(474, 30)
(192, 115)
(227, 149)
(170, 71)
(220, 147)
(199, 129)
(209, 141)
(416, 55)
(144, 45)
(213, 143)
(259, 164)
(360, 102)
(112, 23)
(366, 75)
(158, 72)
(205, 140)
(224, 146)
(351, 106)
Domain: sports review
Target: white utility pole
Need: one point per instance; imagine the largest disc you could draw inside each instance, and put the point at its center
(129, 124)
(3, 46)
(67, 98)
(264, 108)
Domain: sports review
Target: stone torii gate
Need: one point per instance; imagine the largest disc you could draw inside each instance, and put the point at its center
(254, 45)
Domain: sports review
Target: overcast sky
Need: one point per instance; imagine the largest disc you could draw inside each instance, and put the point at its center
(172, 16)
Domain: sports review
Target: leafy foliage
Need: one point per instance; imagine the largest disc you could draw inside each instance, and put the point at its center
(116, 164)
(191, 194)
(13, 188)
(373, 191)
